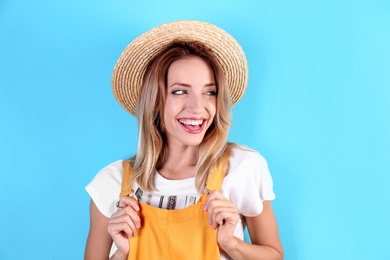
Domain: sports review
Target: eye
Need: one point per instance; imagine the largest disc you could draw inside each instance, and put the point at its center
(179, 92)
(211, 93)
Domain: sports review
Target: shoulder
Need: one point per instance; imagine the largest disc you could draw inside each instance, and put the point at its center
(248, 181)
(244, 158)
(113, 170)
(104, 189)
(111, 173)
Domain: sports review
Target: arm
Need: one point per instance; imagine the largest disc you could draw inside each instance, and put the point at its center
(264, 234)
(99, 240)
(103, 231)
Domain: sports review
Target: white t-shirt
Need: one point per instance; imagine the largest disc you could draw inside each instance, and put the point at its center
(247, 184)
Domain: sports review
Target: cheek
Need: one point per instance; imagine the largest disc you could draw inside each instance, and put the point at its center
(169, 109)
(166, 117)
(213, 108)
(170, 112)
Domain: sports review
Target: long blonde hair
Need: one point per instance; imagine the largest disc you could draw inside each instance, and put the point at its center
(152, 151)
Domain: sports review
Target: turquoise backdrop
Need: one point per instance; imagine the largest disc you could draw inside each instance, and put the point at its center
(317, 107)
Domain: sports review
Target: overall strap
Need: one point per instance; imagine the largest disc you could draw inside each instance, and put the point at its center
(218, 171)
(214, 182)
(127, 179)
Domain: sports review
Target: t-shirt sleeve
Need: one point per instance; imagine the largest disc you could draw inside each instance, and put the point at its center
(105, 188)
(248, 182)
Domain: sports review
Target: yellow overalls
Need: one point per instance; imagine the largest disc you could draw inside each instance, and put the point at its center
(174, 234)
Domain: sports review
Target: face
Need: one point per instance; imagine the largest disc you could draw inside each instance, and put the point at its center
(190, 104)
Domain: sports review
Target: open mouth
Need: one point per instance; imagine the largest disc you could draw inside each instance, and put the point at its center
(192, 126)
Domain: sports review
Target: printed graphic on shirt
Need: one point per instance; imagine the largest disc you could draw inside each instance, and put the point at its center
(139, 193)
(149, 199)
(161, 202)
(169, 202)
(190, 200)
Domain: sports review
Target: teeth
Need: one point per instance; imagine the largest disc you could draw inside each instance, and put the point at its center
(191, 122)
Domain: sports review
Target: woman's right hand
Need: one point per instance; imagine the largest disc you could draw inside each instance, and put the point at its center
(124, 224)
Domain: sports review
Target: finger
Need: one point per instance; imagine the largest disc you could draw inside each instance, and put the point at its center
(213, 207)
(125, 221)
(217, 217)
(218, 204)
(226, 217)
(219, 210)
(122, 229)
(213, 195)
(125, 213)
(128, 201)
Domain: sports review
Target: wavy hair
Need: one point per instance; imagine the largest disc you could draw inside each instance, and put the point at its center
(152, 150)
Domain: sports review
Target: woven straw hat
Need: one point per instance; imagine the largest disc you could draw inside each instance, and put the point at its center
(129, 70)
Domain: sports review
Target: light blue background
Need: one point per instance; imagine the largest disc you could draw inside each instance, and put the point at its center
(317, 107)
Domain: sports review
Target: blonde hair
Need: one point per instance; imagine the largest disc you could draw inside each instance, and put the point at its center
(152, 151)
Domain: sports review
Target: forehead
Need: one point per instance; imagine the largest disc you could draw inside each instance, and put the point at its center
(191, 68)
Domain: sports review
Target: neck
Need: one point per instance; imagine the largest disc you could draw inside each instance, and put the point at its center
(180, 163)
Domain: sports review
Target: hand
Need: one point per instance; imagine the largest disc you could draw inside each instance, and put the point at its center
(124, 223)
(223, 214)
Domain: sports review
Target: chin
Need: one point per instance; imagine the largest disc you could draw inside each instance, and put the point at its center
(193, 141)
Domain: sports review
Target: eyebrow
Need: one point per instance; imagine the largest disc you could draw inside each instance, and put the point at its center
(188, 85)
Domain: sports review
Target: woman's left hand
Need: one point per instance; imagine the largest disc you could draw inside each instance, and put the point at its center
(223, 214)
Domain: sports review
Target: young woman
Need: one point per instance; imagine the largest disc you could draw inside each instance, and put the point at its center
(187, 193)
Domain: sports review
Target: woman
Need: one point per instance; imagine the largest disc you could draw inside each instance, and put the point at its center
(187, 193)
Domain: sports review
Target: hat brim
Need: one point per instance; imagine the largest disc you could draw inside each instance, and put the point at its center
(131, 66)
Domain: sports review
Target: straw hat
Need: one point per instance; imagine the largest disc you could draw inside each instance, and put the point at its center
(129, 70)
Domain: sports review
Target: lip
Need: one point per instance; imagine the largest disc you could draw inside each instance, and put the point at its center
(190, 129)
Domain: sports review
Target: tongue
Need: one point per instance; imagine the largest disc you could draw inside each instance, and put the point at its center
(192, 127)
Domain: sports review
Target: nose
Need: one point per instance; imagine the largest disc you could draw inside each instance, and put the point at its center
(194, 104)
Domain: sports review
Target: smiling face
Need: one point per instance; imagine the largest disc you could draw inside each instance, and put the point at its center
(190, 104)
